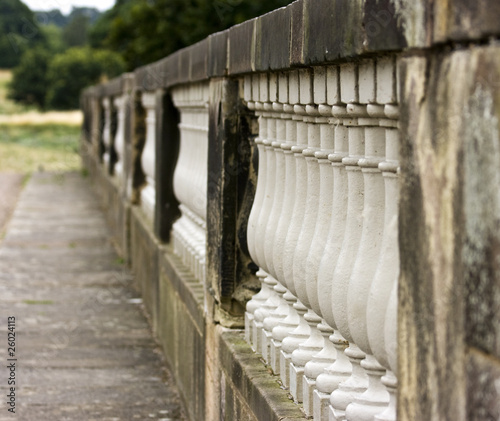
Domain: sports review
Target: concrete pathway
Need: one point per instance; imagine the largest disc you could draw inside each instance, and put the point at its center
(83, 349)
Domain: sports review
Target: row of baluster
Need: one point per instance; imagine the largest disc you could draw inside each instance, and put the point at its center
(323, 230)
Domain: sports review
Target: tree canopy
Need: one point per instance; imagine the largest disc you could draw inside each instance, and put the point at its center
(19, 30)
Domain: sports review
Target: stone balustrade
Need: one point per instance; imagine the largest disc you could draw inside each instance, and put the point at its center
(308, 204)
(322, 230)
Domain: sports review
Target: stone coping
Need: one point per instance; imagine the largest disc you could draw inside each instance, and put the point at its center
(314, 32)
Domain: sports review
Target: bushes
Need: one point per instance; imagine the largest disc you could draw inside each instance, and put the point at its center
(29, 78)
(57, 82)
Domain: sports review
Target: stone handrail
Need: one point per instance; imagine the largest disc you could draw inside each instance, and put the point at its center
(281, 161)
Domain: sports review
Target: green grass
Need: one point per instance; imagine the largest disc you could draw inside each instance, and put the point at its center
(49, 147)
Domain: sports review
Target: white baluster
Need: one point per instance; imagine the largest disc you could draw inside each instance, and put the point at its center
(263, 311)
(391, 340)
(299, 335)
(148, 193)
(120, 103)
(252, 305)
(106, 132)
(290, 322)
(386, 278)
(344, 394)
(328, 381)
(375, 398)
(190, 177)
(314, 342)
(326, 356)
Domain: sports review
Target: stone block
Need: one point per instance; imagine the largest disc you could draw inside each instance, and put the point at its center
(297, 32)
(333, 30)
(273, 40)
(461, 20)
(144, 257)
(242, 47)
(170, 69)
(217, 54)
(199, 60)
(383, 27)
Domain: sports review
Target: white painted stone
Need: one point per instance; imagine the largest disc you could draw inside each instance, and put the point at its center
(367, 83)
(263, 87)
(190, 176)
(341, 397)
(293, 87)
(106, 132)
(252, 305)
(283, 88)
(305, 86)
(349, 89)
(319, 85)
(332, 85)
(148, 157)
(120, 104)
(386, 81)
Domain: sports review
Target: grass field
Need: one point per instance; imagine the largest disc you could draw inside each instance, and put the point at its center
(47, 147)
(34, 141)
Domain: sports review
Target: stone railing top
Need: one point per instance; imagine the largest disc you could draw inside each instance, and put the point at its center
(313, 32)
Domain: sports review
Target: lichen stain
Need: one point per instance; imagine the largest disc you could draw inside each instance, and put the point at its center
(481, 250)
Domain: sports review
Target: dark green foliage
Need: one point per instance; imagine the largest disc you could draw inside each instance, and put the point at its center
(29, 78)
(75, 32)
(76, 69)
(53, 38)
(146, 30)
(19, 31)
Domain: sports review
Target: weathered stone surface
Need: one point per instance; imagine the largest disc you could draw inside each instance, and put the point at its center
(242, 47)
(483, 387)
(449, 229)
(170, 69)
(230, 191)
(144, 248)
(273, 26)
(84, 348)
(249, 378)
(198, 60)
(217, 54)
(479, 122)
(297, 32)
(382, 28)
(461, 20)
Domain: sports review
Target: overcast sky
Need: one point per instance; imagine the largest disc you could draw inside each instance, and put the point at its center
(65, 5)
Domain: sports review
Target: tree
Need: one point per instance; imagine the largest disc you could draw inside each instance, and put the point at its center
(29, 79)
(19, 30)
(75, 32)
(146, 30)
(54, 40)
(75, 69)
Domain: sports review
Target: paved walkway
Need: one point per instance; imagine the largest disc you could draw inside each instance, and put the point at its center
(83, 347)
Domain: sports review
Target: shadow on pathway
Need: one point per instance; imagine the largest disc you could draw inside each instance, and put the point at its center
(83, 347)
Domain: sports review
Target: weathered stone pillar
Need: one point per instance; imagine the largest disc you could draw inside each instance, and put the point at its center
(230, 192)
(449, 288)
